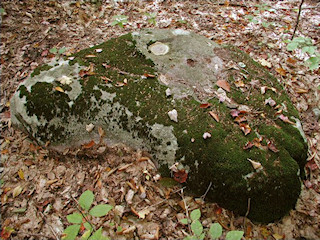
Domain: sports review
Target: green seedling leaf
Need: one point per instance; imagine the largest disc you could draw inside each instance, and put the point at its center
(87, 226)
(195, 214)
(86, 235)
(53, 50)
(313, 63)
(215, 231)
(71, 232)
(98, 235)
(309, 49)
(184, 221)
(196, 227)
(86, 200)
(74, 218)
(182, 21)
(2, 10)
(62, 50)
(100, 210)
(234, 235)
(292, 46)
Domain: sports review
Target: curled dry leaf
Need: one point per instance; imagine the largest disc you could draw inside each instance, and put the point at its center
(272, 147)
(59, 89)
(241, 118)
(285, 119)
(270, 102)
(224, 85)
(255, 165)
(16, 191)
(245, 128)
(214, 116)
(147, 75)
(88, 145)
(234, 113)
(205, 105)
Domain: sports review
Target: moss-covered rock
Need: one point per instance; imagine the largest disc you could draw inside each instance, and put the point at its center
(244, 141)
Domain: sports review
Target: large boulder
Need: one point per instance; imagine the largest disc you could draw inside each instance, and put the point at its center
(185, 99)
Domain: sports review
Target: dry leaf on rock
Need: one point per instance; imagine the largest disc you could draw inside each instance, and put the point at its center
(205, 105)
(214, 116)
(59, 89)
(224, 85)
(255, 165)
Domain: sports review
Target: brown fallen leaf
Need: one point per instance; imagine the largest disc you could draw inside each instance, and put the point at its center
(239, 83)
(21, 174)
(90, 56)
(240, 119)
(224, 85)
(301, 90)
(245, 128)
(248, 145)
(180, 176)
(16, 191)
(59, 89)
(281, 71)
(205, 105)
(285, 119)
(214, 116)
(106, 79)
(272, 147)
(88, 145)
(147, 75)
(234, 113)
(255, 165)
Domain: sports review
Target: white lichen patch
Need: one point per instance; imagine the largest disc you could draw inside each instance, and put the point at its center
(159, 48)
(65, 80)
(165, 152)
(180, 32)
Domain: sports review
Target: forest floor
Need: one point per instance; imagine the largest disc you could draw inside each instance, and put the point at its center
(38, 189)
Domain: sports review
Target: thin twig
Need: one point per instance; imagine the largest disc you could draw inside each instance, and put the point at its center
(51, 228)
(298, 19)
(164, 200)
(208, 189)
(186, 207)
(35, 235)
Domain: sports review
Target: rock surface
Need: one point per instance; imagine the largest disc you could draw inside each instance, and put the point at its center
(212, 109)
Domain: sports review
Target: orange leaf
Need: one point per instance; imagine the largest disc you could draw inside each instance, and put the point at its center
(147, 75)
(215, 116)
(291, 61)
(240, 119)
(281, 71)
(21, 174)
(4, 151)
(224, 85)
(88, 145)
(205, 105)
(246, 129)
(59, 89)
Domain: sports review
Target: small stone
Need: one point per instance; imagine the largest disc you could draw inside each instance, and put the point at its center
(206, 135)
(173, 115)
(89, 127)
(168, 92)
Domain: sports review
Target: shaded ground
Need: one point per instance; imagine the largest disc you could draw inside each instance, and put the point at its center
(39, 190)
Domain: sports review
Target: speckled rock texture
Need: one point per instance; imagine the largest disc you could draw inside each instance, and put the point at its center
(184, 99)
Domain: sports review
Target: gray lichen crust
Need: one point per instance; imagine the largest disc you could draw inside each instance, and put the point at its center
(145, 89)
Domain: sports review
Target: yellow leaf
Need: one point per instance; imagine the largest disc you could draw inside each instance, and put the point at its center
(21, 174)
(59, 89)
(16, 191)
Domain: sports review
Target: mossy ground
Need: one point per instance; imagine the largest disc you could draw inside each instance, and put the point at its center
(220, 160)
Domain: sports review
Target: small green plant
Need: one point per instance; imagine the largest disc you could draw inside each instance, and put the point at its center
(215, 230)
(256, 18)
(57, 51)
(151, 18)
(306, 46)
(119, 20)
(82, 219)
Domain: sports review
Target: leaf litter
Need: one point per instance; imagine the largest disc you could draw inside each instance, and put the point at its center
(44, 185)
